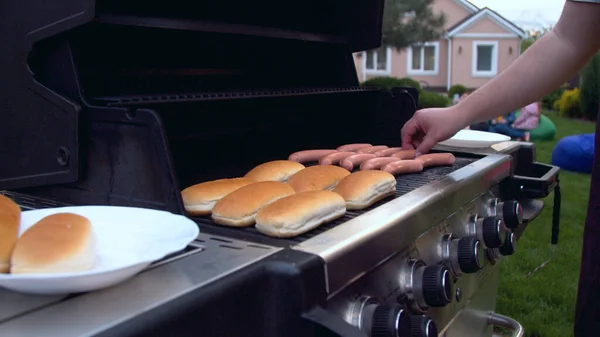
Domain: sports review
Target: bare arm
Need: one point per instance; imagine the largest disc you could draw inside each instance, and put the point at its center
(547, 64)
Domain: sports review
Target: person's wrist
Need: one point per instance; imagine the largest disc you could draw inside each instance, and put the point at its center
(463, 118)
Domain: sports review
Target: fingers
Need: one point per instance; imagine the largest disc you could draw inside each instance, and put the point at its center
(427, 144)
(408, 134)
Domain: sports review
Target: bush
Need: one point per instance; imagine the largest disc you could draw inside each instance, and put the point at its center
(590, 89)
(432, 100)
(457, 89)
(388, 83)
(569, 105)
(553, 97)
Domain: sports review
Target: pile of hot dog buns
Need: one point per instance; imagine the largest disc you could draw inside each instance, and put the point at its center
(58, 243)
(285, 198)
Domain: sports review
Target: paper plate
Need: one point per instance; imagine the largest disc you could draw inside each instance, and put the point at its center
(128, 240)
(474, 139)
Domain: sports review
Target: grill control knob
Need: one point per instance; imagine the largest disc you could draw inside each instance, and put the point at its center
(437, 286)
(422, 326)
(470, 254)
(511, 213)
(491, 231)
(463, 255)
(510, 245)
(390, 321)
(425, 286)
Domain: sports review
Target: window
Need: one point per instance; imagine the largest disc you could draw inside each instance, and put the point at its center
(423, 59)
(378, 60)
(485, 58)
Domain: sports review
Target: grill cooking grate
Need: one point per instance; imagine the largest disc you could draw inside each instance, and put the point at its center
(404, 185)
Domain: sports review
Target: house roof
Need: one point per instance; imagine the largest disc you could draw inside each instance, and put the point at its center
(486, 12)
(468, 5)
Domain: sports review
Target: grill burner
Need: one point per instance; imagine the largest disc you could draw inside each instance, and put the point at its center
(404, 185)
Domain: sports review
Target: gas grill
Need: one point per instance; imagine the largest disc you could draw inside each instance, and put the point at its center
(126, 103)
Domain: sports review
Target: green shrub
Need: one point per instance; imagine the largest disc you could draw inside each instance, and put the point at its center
(432, 100)
(569, 104)
(457, 89)
(553, 97)
(590, 89)
(390, 82)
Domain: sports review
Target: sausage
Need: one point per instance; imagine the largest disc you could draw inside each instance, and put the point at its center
(353, 147)
(437, 159)
(372, 149)
(334, 158)
(405, 154)
(376, 163)
(403, 167)
(309, 155)
(387, 152)
(356, 159)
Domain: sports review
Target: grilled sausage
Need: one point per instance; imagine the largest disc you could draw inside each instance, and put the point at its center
(403, 167)
(356, 159)
(372, 149)
(376, 163)
(309, 155)
(405, 154)
(437, 159)
(334, 158)
(387, 152)
(353, 147)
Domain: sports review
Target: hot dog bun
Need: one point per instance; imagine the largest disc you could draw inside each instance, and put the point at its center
(299, 213)
(200, 199)
(362, 189)
(239, 207)
(320, 177)
(10, 220)
(58, 243)
(277, 170)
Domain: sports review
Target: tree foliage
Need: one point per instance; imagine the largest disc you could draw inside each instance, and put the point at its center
(409, 22)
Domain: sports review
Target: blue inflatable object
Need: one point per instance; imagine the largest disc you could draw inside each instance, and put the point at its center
(575, 153)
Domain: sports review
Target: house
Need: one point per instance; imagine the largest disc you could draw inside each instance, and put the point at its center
(477, 45)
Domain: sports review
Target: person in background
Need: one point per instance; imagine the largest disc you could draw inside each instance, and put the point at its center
(519, 127)
(551, 61)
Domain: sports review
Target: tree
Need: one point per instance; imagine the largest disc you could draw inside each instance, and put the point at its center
(409, 22)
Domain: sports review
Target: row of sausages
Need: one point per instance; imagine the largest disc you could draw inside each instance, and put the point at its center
(364, 156)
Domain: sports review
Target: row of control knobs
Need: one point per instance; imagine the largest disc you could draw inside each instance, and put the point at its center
(428, 286)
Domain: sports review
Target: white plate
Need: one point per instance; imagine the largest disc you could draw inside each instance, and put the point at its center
(475, 139)
(128, 240)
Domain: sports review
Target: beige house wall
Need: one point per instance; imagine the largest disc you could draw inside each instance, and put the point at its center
(485, 25)
(462, 59)
(453, 11)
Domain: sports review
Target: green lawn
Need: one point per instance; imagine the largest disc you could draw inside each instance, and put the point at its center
(545, 302)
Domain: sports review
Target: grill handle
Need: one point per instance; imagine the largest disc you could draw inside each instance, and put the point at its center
(506, 322)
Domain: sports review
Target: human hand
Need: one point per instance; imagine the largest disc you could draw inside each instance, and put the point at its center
(429, 127)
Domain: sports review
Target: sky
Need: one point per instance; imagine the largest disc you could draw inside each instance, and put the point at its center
(528, 14)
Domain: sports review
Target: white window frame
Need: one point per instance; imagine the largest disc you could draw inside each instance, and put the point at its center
(436, 64)
(494, 71)
(388, 64)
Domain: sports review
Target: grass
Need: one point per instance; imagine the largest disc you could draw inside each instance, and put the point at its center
(545, 302)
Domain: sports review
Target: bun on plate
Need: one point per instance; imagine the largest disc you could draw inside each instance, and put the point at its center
(10, 221)
(58, 243)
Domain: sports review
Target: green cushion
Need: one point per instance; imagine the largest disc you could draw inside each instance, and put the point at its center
(546, 129)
